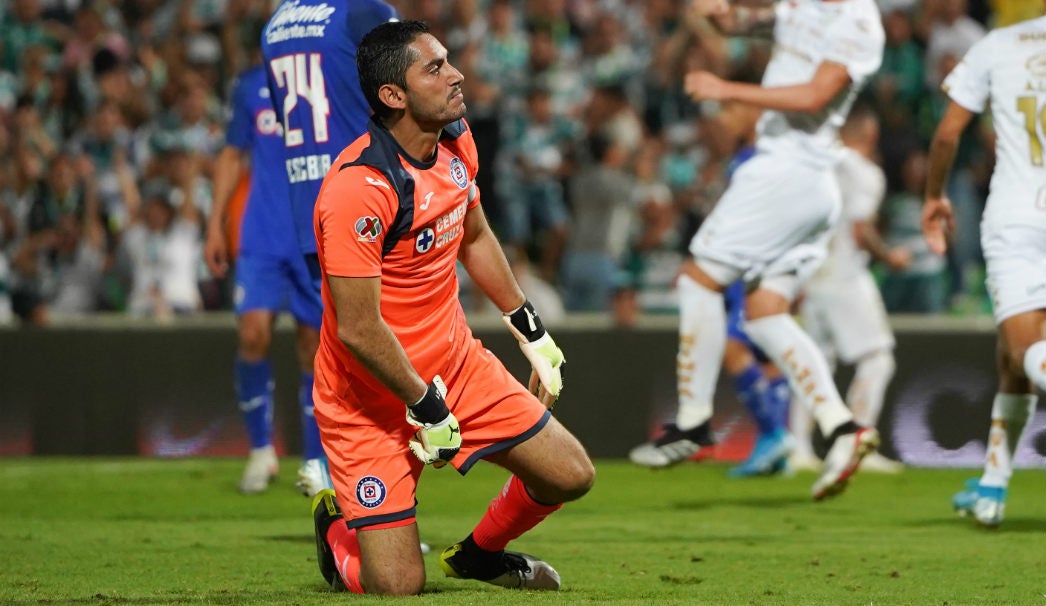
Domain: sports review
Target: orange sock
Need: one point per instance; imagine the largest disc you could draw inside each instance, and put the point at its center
(345, 546)
(509, 515)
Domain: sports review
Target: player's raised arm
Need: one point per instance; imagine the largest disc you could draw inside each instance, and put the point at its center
(938, 222)
(809, 97)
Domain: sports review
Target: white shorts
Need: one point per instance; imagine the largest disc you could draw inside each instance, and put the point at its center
(1016, 264)
(847, 318)
(773, 221)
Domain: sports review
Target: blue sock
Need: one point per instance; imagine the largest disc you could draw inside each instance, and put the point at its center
(750, 386)
(311, 446)
(778, 398)
(254, 386)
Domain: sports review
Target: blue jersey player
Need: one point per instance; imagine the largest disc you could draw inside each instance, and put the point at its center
(271, 276)
(308, 52)
(309, 47)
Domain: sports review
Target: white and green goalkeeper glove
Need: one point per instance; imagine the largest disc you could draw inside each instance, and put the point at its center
(438, 437)
(546, 359)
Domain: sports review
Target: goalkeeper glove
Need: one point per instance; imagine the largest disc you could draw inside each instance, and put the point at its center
(438, 437)
(546, 359)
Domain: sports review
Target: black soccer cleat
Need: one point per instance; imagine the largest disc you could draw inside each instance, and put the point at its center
(672, 446)
(509, 569)
(325, 511)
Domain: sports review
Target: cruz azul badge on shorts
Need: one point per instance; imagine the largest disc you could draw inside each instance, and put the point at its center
(458, 172)
(370, 492)
(368, 229)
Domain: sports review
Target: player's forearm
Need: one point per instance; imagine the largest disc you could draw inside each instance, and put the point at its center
(869, 238)
(798, 98)
(373, 343)
(489, 269)
(484, 260)
(357, 303)
(943, 147)
(227, 169)
(942, 156)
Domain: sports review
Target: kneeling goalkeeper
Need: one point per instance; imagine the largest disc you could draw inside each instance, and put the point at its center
(401, 383)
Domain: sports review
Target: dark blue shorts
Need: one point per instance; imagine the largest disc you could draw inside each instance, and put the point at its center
(278, 283)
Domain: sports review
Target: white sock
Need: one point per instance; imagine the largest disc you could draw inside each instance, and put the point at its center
(702, 339)
(868, 388)
(801, 424)
(1010, 413)
(796, 354)
(1035, 364)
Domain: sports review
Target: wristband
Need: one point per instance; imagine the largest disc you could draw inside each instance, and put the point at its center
(526, 322)
(432, 407)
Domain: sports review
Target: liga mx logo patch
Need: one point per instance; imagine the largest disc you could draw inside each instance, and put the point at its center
(368, 228)
(458, 172)
(370, 492)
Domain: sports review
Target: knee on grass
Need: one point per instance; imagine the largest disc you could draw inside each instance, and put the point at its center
(394, 581)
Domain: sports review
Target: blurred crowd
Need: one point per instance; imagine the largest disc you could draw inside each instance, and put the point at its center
(596, 167)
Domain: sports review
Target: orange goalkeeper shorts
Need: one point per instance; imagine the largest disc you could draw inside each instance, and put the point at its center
(373, 470)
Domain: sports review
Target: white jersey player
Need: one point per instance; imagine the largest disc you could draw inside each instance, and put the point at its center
(770, 228)
(842, 308)
(1007, 68)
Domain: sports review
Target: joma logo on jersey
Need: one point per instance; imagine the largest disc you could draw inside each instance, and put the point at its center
(459, 173)
(368, 229)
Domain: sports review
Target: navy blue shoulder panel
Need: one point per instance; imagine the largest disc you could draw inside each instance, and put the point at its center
(453, 130)
(383, 154)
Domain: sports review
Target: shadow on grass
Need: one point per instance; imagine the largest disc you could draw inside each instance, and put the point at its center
(751, 501)
(289, 538)
(1009, 525)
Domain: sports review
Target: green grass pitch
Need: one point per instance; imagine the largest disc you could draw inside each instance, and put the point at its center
(149, 532)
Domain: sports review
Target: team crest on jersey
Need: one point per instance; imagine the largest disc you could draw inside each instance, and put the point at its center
(459, 173)
(266, 122)
(368, 229)
(370, 492)
(424, 241)
(1036, 65)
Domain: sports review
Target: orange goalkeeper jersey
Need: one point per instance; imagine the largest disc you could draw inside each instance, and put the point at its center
(383, 213)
